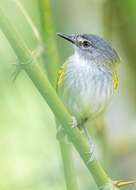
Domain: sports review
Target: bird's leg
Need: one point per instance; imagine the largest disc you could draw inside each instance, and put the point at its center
(91, 144)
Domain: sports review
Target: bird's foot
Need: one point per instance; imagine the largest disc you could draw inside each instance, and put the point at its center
(74, 123)
(92, 152)
(91, 144)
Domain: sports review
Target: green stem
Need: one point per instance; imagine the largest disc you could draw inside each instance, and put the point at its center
(49, 41)
(107, 19)
(48, 93)
(69, 172)
(30, 22)
(52, 70)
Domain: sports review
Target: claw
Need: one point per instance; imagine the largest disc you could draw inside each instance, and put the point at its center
(74, 123)
(92, 157)
(92, 152)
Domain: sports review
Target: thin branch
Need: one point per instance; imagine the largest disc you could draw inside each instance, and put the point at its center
(124, 183)
(29, 21)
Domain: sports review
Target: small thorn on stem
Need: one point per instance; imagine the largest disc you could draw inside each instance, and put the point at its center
(36, 53)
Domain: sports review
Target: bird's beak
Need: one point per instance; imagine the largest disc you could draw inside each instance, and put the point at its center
(68, 37)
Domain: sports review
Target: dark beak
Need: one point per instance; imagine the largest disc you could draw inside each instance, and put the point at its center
(68, 37)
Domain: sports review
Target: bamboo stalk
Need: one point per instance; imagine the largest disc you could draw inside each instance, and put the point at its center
(68, 166)
(49, 39)
(48, 93)
(52, 70)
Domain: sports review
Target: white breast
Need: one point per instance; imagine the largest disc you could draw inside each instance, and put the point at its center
(86, 89)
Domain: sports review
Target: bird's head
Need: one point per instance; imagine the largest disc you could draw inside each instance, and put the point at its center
(92, 47)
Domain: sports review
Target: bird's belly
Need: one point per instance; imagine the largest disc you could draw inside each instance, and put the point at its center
(86, 96)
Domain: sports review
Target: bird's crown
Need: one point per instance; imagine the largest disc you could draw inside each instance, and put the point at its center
(93, 46)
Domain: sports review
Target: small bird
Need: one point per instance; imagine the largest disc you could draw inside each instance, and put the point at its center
(87, 80)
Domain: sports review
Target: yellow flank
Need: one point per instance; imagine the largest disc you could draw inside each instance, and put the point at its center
(115, 78)
(61, 74)
(62, 70)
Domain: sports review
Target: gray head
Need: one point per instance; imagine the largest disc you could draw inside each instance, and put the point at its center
(93, 47)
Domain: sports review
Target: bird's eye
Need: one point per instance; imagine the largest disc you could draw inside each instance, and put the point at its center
(86, 44)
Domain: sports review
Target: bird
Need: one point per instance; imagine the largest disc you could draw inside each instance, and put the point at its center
(88, 79)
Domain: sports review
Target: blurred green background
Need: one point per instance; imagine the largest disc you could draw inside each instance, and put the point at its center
(29, 152)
